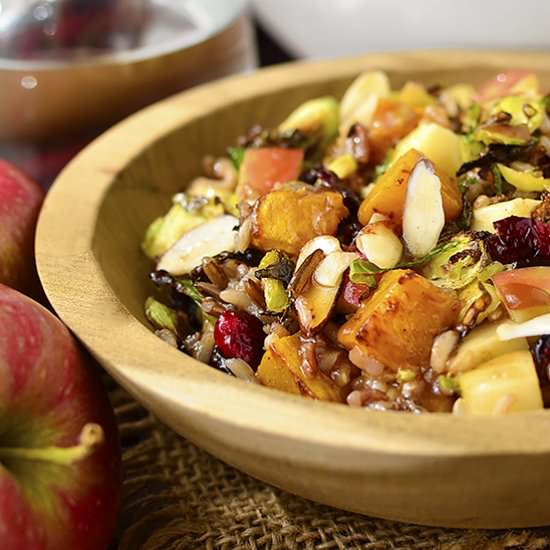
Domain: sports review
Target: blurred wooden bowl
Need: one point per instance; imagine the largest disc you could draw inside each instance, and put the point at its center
(44, 100)
(433, 469)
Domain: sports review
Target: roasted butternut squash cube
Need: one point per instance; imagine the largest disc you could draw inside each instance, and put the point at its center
(281, 369)
(390, 190)
(289, 217)
(398, 323)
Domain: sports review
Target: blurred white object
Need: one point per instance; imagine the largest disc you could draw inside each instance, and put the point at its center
(328, 28)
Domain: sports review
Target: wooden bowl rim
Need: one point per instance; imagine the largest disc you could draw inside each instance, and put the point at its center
(150, 371)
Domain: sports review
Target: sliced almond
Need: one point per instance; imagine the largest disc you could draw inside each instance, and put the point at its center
(534, 327)
(331, 269)
(360, 99)
(315, 306)
(423, 215)
(325, 243)
(207, 239)
(380, 245)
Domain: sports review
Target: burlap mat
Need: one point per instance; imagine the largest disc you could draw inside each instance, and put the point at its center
(178, 497)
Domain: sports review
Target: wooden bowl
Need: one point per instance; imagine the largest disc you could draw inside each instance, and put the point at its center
(432, 469)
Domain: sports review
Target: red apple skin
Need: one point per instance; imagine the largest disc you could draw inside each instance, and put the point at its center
(524, 288)
(502, 84)
(47, 394)
(262, 168)
(20, 202)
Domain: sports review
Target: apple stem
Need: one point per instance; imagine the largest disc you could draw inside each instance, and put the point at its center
(90, 437)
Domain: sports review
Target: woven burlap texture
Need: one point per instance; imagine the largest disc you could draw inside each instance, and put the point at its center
(178, 497)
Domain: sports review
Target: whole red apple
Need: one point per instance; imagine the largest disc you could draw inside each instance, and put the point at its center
(20, 201)
(59, 453)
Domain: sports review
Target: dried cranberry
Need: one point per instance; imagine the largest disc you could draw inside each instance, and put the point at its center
(520, 240)
(541, 355)
(239, 335)
(321, 175)
(351, 295)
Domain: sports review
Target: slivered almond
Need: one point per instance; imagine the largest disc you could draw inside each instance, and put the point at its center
(330, 270)
(423, 215)
(325, 243)
(380, 245)
(207, 239)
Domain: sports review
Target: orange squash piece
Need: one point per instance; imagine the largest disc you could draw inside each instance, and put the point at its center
(398, 323)
(281, 369)
(391, 121)
(288, 218)
(389, 192)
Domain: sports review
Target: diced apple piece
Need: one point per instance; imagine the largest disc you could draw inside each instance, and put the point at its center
(389, 193)
(480, 345)
(483, 218)
(508, 383)
(262, 168)
(415, 95)
(286, 219)
(316, 115)
(423, 215)
(439, 144)
(511, 82)
(525, 292)
(398, 323)
(281, 368)
(208, 239)
(524, 181)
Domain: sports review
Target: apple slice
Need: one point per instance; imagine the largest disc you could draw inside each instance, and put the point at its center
(480, 345)
(484, 217)
(423, 215)
(442, 146)
(525, 292)
(508, 383)
(208, 239)
(262, 168)
(512, 82)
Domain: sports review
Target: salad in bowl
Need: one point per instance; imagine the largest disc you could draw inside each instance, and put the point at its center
(390, 250)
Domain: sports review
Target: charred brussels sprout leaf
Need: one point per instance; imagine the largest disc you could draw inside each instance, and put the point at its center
(459, 263)
(161, 316)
